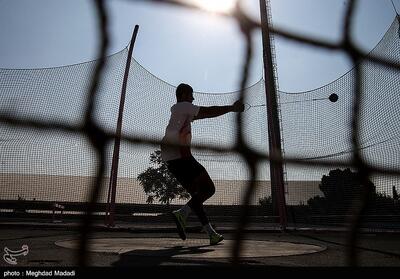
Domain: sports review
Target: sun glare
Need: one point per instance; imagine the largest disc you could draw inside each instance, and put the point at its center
(218, 6)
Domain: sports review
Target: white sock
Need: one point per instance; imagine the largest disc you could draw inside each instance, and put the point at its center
(185, 210)
(209, 229)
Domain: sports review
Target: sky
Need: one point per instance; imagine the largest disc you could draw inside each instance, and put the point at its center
(180, 45)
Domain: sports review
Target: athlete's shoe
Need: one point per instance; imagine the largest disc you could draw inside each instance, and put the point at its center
(180, 224)
(216, 238)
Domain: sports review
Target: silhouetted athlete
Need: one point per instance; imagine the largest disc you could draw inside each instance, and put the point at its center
(190, 173)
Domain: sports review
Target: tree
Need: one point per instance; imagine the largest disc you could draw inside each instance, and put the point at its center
(158, 183)
(266, 203)
(340, 188)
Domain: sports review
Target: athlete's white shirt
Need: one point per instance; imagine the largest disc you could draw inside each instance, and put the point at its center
(179, 131)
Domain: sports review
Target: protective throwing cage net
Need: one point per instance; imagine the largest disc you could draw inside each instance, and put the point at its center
(59, 166)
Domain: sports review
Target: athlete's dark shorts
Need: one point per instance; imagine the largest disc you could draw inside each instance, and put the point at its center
(185, 170)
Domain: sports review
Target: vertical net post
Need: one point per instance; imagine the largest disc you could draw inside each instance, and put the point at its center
(274, 136)
(112, 188)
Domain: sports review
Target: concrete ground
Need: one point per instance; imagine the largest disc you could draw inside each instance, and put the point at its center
(54, 245)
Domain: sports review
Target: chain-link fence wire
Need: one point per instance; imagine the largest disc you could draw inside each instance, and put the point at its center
(100, 138)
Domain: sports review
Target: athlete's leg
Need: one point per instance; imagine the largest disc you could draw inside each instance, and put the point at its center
(195, 179)
(202, 188)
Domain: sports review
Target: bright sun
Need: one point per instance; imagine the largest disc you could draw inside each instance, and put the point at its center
(224, 6)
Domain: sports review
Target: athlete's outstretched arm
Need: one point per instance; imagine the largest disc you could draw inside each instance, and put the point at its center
(215, 111)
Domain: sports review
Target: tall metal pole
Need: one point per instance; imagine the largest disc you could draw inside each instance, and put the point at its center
(114, 166)
(274, 136)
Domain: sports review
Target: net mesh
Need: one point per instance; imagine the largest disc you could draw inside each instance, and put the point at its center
(315, 128)
(60, 166)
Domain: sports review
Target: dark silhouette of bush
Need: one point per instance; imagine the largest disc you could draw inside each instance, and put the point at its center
(342, 189)
(266, 203)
